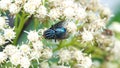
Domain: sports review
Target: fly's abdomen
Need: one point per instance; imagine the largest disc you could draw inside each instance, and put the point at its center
(49, 34)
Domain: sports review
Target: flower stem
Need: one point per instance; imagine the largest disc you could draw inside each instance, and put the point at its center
(20, 27)
(65, 44)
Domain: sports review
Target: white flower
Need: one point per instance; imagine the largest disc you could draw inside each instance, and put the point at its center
(58, 66)
(54, 13)
(64, 55)
(15, 59)
(86, 62)
(80, 66)
(69, 12)
(25, 49)
(36, 3)
(2, 22)
(20, 1)
(56, 3)
(3, 57)
(70, 26)
(115, 26)
(2, 40)
(67, 3)
(25, 62)
(51, 0)
(83, 2)
(91, 16)
(97, 24)
(9, 33)
(93, 5)
(80, 13)
(44, 65)
(116, 49)
(4, 4)
(38, 45)
(47, 53)
(29, 8)
(77, 55)
(41, 12)
(35, 54)
(14, 8)
(10, 50)
(87, 36)
(105, 12)
(33, 36)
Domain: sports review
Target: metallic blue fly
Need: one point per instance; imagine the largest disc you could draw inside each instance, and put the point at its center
(57, 31)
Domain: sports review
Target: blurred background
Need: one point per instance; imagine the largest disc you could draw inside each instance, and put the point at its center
(114, 5)
(114, 24)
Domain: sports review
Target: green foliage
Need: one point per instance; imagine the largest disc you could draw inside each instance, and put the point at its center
(116, 15)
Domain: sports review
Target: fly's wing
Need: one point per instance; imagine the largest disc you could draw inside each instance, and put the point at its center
(57, 25)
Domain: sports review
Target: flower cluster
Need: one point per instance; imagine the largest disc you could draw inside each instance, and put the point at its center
(73, 54)
(115, 27)
(84, 22)
(23, 55)
(66, 8)
(6, 32)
